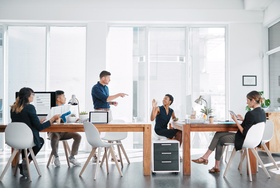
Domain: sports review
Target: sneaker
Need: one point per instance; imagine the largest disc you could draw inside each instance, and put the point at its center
(56, 162)
(112, 159)
(94, 159)
(74, 161)
(23, 169)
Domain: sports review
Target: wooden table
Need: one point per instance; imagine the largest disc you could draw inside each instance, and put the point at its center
(114, 127)
(186, 143)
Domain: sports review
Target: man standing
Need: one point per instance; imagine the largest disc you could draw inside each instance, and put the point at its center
(55, 137)
(100, 95)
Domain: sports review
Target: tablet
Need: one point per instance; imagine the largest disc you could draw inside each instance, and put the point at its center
(232, 113)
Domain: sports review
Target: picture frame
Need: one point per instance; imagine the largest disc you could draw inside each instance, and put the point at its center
(249, 80)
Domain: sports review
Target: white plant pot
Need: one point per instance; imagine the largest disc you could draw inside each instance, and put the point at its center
(83, 117)
(72, 119)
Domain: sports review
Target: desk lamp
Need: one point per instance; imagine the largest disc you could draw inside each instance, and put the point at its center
(200, 99)
(74, 101)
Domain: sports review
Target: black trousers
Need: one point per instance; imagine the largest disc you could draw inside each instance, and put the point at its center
(35, 149)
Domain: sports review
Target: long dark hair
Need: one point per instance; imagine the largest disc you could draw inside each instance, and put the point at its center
(22, 99)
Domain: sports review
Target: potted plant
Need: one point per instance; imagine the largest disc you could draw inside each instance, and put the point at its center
(211, 118)
(72, 118)
(206, 111)
(83, 116)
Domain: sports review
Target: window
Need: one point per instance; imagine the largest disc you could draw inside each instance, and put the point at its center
(273, 36)
(207, 61)
(149, 62)
(26, 59)
(67, 62)
(1, 73)
(46, 59)
(274, 65)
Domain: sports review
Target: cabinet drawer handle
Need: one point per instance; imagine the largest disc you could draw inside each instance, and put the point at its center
(166, 144)
(166, 153)
(166, 162)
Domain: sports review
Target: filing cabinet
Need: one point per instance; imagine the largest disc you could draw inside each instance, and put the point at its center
(165, 156)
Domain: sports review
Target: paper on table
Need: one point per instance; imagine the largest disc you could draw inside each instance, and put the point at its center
(58, 110)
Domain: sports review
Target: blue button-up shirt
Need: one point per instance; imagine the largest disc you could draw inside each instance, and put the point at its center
(99, 94)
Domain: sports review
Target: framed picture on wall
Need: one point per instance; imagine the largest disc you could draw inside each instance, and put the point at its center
(249, 80)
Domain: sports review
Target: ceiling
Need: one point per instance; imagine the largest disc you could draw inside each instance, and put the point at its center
(256, 4)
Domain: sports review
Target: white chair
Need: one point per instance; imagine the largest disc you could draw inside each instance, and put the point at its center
(252, 140)
(117, 137)
(93, 138)
(66, 150)
(20, 137)
(267, 136)
(156, 136)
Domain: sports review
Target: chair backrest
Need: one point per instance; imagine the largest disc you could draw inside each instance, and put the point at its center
(18, 135)
(92, 135)
(254, 135)
(115, 135)
(268, 131)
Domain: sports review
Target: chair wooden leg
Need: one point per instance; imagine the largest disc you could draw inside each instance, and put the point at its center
(66, 149)
(270, 156)
(120, 155)
(97, 163)
(122, 148)
(67, 146)
(225, 153)
(50, 158)
(15, 151)
(242, 153)
(27, 164)
(248, 164)
(87, 161)
(15, 161)
(116, 162)
(35, 161)
(230, 161)
(105, 155)
(260, 162)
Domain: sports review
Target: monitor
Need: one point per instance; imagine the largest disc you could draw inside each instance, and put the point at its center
(43, 101)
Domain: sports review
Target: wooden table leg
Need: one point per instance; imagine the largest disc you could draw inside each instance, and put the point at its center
(147, 142)
(16, 159)
(253, 162)
(186, 150)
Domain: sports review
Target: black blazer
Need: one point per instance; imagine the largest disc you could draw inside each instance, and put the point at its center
(255, 116)
(28, 115)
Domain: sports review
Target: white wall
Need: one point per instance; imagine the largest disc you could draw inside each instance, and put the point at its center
(245, 46)
(95, 57)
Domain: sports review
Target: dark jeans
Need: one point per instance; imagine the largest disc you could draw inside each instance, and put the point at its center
(35, 149)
